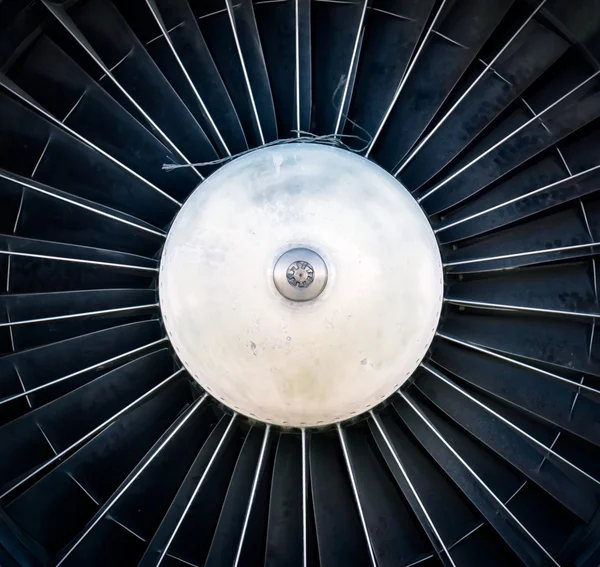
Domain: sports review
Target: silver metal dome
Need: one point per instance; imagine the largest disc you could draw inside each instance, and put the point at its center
(265, 354)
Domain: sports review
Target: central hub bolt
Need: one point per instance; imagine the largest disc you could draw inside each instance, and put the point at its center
(300, 274)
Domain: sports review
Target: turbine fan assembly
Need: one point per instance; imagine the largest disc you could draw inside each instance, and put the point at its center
(299, 283)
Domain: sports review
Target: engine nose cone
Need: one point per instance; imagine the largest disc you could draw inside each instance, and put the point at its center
(301, 285)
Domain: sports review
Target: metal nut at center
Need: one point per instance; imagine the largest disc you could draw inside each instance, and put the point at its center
(300, 274)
